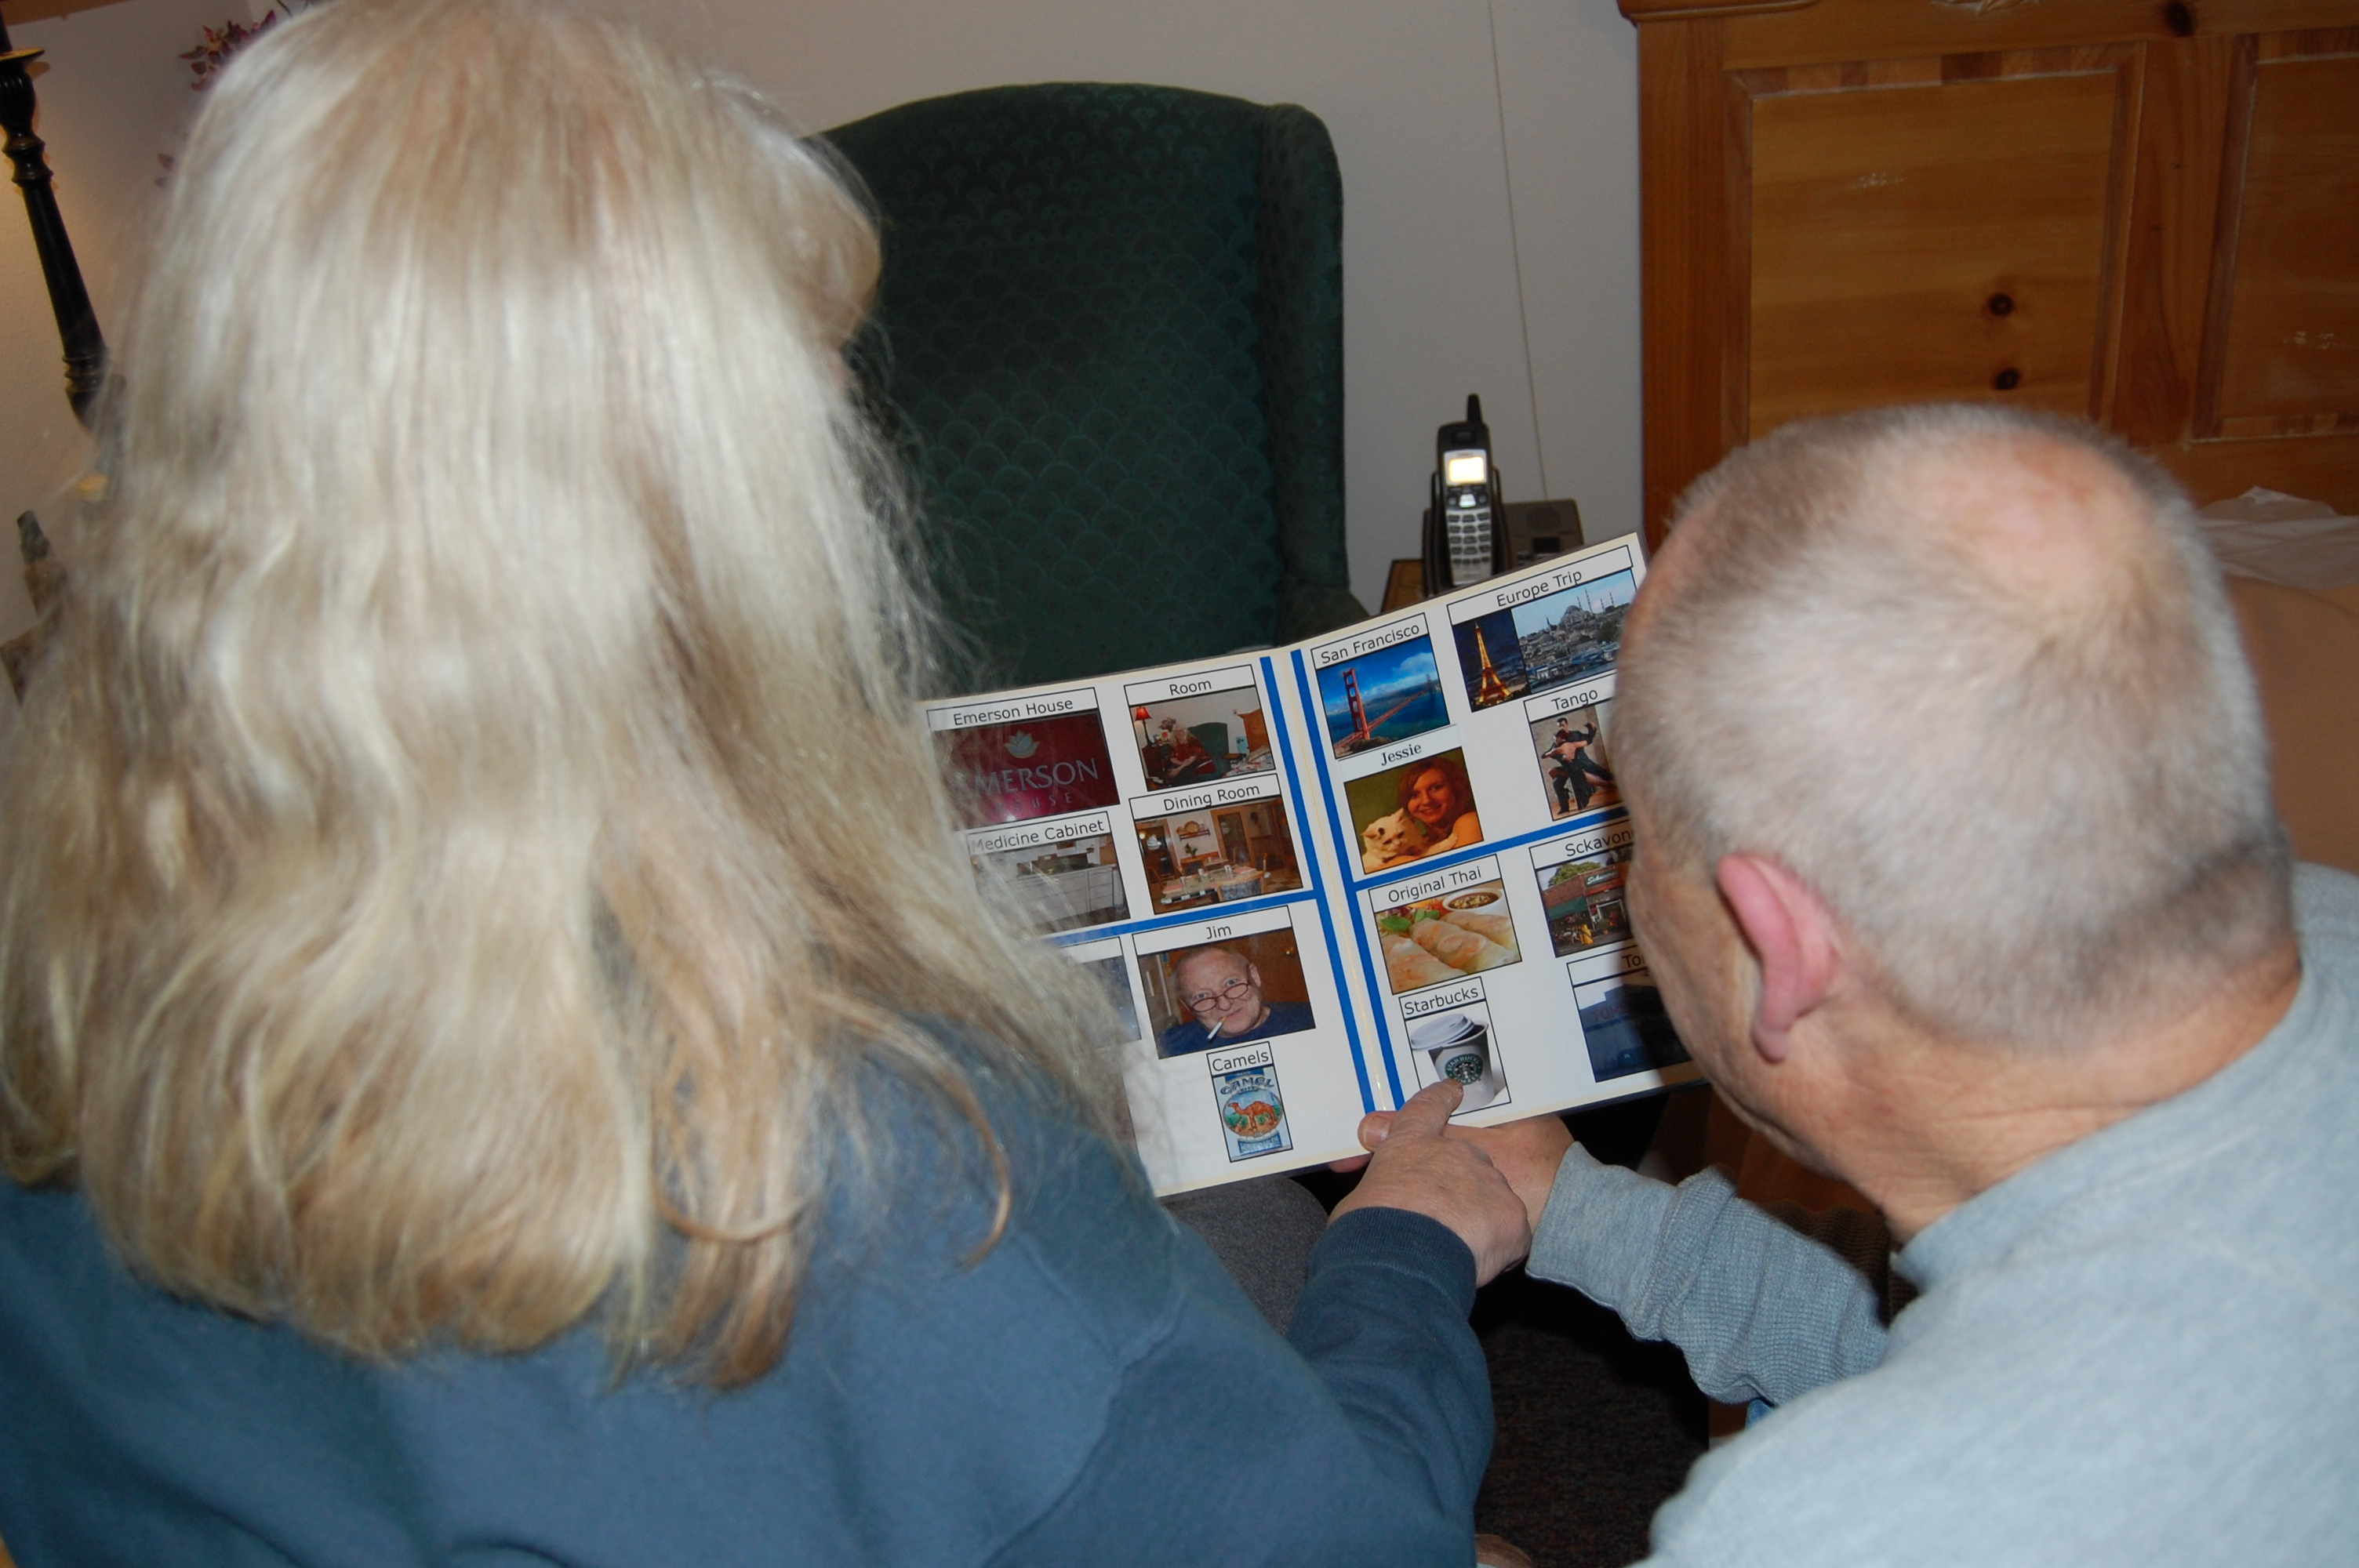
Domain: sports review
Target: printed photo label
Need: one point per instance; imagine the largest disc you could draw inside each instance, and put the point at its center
(1375, 699)
(1205, 797)
(1419, 808)
(1442, 1000)
(1039, 835)
(1589, 570)
(1237, 1059)
(1438, 930)
(1199, 683)
(1623, 1022)
(1581, 695)
(1369, 643)
(1013, 709)
(1459, 1043)
(1614, 835)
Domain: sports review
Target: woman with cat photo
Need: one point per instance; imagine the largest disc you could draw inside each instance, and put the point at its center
(1437, 814)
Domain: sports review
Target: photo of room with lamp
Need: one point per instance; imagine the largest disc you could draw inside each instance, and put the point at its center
(1190, 739)
(1219, 854)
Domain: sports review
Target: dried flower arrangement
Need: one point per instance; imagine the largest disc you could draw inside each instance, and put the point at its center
(207, 57)
(214, 50)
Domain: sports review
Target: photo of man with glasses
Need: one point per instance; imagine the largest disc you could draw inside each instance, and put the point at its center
(1221, 992)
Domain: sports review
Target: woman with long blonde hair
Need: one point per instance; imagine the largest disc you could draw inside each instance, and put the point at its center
(499, 1056)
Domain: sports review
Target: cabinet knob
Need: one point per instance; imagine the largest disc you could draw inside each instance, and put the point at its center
(2008, 379)
(2000, 304)
(2179, 18)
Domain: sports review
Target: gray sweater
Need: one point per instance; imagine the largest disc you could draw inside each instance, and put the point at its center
(2144, 1348)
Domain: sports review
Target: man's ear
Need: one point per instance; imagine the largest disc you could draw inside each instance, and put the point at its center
(1792, 938)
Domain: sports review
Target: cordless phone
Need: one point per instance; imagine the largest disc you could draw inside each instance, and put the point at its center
(1463, 545)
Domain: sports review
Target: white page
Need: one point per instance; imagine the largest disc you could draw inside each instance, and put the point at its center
(1250, 836)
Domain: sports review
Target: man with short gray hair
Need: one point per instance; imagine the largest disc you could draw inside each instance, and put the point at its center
(1957, 866)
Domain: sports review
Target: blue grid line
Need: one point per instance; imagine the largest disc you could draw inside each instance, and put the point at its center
(1351, 905)
(1318, 886)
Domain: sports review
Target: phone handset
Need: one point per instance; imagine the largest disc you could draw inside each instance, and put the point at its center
(1464, 544)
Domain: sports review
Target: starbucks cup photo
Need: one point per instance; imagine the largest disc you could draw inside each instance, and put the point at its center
(1459, 1048)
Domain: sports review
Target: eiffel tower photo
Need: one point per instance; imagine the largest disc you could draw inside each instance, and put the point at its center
(1489, 689)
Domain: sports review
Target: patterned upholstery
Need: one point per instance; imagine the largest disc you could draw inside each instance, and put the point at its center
(1109, 338)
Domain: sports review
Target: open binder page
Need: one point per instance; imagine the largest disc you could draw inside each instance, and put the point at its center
(1314, 878)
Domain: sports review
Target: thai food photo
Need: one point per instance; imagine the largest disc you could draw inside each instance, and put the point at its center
(1463, 932)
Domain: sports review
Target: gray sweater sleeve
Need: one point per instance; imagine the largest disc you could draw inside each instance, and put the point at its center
(1759, 1311)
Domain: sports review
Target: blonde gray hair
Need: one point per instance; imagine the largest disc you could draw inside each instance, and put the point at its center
(2042, 814)
(475, 837)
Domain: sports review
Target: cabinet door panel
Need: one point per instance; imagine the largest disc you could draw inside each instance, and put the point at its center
(1946, 241)
(2292, 346)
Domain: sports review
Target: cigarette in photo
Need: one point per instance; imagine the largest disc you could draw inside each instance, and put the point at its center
(1213, 1030)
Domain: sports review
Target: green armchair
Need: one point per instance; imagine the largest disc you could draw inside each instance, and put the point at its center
(1109, 342)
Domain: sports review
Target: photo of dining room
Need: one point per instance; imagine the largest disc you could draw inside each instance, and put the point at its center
(1189, 739)
(1219, 855)
(1063, 887)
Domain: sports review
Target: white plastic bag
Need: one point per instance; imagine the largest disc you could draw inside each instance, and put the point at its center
(2283, 539)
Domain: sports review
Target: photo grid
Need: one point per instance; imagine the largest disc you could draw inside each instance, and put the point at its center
(1128, 820)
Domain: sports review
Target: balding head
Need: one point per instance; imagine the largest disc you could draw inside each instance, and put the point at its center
(1970, 675)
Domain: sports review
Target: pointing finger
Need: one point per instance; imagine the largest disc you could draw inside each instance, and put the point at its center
(1427, 1112)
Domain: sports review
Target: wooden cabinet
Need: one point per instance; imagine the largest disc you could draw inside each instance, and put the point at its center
(2143, 212)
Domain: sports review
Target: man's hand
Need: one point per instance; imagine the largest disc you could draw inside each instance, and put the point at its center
(1527, 1153)
(1449, 1179)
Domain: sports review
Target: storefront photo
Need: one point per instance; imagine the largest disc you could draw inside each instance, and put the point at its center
(1584, 902)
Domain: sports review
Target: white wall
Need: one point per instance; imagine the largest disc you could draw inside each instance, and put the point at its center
(112, 96)
(1407, 88)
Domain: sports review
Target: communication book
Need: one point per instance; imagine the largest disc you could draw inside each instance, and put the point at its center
(1315, 879)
